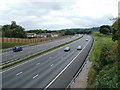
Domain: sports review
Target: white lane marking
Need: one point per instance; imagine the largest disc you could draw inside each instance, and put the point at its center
(33, 59)
(65, 68)
(51, 65)
(18, 73)
(35, 76)
(37, 63)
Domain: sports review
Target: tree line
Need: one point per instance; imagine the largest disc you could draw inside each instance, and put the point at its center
(17, 31)
(13, 30)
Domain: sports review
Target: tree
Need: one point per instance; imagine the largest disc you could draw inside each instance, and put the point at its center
(105, 29)
(116, 29)
(13, 24)
(69, 32)
(13, 30)
(116, 33)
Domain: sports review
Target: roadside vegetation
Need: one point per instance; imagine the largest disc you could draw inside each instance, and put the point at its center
(9, 45)
(105, 56)
(16, 31)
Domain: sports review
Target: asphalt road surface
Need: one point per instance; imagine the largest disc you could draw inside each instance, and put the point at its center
(10, 55)
(52, 70)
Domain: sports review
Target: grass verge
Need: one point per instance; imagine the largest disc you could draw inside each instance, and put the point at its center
(9, 45)
(99, 41)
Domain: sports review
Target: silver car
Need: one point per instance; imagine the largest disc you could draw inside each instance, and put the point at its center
(67, 49)
(86, 39)
(79, 48)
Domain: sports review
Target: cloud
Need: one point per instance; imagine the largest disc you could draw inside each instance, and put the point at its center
(57, 14)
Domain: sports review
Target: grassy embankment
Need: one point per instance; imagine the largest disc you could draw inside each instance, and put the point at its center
(9, 45)
(104, 70)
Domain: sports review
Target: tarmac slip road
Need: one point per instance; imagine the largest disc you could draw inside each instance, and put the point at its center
(10, 55)
(52, 70)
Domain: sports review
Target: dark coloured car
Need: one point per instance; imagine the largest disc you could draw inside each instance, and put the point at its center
(67, 49)
(17, 48)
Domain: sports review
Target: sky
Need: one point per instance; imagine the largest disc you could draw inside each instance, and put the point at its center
(58, 14)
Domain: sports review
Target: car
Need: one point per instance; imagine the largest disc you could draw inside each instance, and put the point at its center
(86, 39)
(79, 48)
(67, 49)
(17, 48)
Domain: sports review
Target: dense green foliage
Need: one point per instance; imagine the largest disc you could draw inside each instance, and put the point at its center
(13, 30)
(84, 32)
(69, 32)
(105, 29)
(95, 29)
(116, 29)
(105, 56)
(104, 70)
(38, 31)
(108, 77)
(107, 68)
(63, 31)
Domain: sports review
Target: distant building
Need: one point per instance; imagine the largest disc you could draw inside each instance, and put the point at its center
(47, 35)
(55, 35)
(31, 34)
(44, 35)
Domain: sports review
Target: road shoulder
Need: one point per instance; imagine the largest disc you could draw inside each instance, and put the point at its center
(81, 80)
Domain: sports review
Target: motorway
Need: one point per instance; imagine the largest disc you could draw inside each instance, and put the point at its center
(52, 70)
(10, 55)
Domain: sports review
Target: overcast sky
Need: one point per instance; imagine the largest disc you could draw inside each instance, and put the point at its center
(58, 14)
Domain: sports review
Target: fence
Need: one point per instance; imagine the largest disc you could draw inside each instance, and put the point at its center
(35, 40)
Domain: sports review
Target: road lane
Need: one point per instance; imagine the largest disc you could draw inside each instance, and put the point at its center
(10, 55)
(71, 70)
(45, 73)
(53, 55)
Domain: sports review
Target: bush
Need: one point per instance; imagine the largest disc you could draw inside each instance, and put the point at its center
(104, 60)
(105, 29)
(105, 57)
(108, 77)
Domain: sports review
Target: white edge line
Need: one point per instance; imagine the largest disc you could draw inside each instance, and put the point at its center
(18, 73)
(64, 69)
(35, 76)
(33, 59)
